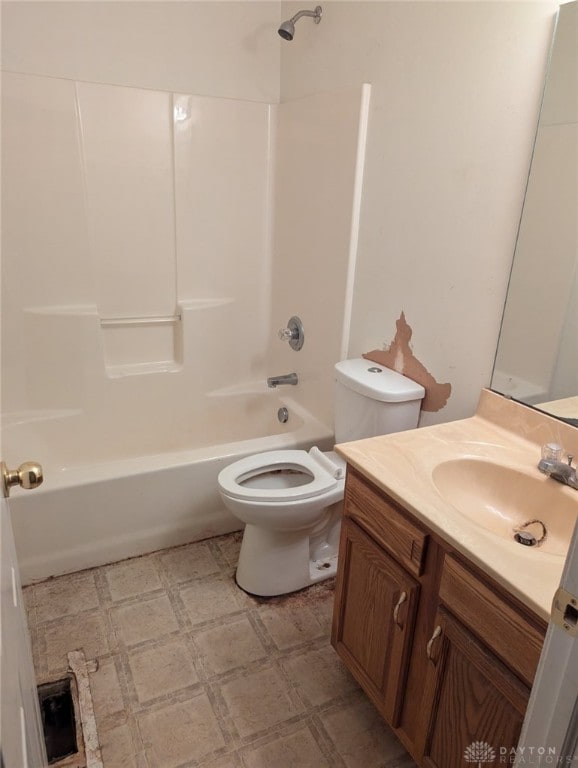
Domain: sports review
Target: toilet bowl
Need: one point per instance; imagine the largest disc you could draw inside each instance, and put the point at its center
(282, 490)
(291, 501)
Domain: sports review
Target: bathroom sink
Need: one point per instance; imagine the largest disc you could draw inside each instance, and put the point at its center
(506, 502)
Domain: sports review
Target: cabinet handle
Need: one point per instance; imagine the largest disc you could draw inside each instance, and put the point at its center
(437, 632)
(400, 602)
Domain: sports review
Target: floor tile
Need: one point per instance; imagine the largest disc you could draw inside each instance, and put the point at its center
(146, 620)
(259, 700)
(39, 658)
(117, 748)
(323, 610)
(180, 733)
(229, 547)
(31, 619)
(87, 633)
(106, 691)
(132, 577)
(65, 596)
(319, 675)
(209, 599)
(360, 736)
(231, 760)
(29, 595)
(194, 672)
(161, 669)
(291, 625)
(229, 646)
(296, 750)
(187, 563)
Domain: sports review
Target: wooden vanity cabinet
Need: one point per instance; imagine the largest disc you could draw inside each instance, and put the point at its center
(378, 602)
(450, 664)
(469, 696)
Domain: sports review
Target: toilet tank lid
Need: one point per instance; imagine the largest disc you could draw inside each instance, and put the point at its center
(377, 382)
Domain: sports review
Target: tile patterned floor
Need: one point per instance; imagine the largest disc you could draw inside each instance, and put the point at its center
(194, 672)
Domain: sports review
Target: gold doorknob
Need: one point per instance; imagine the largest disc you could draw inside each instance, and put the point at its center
(28, 475)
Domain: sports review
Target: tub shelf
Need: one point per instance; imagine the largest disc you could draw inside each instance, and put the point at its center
(150, 344)
(138, 369)
(143, 344)
(117, 322)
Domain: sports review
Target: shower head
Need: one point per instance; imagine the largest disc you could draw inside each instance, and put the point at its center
(287, 28)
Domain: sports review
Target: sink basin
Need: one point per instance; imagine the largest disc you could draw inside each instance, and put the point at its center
(504, 500)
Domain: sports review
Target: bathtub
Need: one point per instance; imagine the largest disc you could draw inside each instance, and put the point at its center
(107, 498)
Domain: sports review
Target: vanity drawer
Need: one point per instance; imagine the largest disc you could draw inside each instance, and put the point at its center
(391, 529)
(501, 626)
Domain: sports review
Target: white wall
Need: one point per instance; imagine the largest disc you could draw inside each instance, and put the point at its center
(113, 210)
(142, 222)
(456, 89)
(315, 209)
(134, 224)
(226, 49)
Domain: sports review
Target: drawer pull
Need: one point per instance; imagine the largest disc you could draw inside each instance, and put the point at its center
(400, 602)
(437, 632)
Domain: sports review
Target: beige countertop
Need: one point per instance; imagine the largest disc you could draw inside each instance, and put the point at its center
(503, 432)
(566, 408)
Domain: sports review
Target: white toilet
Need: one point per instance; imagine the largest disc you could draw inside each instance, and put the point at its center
(291, 501)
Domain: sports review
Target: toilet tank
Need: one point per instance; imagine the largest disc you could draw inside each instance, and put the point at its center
(373, 400)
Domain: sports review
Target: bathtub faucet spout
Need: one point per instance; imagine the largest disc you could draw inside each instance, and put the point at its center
(288, 378)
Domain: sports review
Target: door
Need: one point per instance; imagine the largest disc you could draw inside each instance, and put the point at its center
(377, 602)
(471, 704)
(21, 739)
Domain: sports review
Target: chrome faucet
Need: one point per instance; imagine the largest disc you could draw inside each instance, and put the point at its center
(558, 470)
(288, 378)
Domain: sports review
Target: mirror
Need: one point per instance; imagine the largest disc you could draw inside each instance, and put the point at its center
(537, 356)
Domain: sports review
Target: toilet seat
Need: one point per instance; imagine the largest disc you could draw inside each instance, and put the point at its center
(321, 482)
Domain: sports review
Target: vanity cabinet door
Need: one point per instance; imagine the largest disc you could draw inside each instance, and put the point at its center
(473, 705)
(375, 607)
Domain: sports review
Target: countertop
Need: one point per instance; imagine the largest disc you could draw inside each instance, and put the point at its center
(502, 431)
(566, 408)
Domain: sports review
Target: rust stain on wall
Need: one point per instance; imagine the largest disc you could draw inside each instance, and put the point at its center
(399, 357)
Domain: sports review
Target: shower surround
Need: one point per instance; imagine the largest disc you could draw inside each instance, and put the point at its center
(153, 243)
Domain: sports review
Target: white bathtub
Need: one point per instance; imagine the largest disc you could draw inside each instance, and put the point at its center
(107, 499)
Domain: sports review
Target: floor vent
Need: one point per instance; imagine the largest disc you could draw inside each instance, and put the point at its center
(58, 719)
